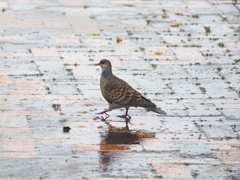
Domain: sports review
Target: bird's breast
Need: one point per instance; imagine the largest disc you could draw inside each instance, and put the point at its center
(103, 82)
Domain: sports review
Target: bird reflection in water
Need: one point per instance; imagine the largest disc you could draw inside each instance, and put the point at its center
(117, 139)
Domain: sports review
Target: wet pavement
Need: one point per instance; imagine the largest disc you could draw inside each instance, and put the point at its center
(49, 89)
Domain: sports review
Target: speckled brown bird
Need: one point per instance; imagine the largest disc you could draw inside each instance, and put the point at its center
(119, 93)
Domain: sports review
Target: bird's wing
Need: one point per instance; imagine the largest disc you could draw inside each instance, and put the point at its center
(119, 92)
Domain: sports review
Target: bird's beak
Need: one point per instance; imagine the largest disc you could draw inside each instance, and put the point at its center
(97, 64)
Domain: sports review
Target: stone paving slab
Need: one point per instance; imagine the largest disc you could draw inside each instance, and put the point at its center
(49, 89)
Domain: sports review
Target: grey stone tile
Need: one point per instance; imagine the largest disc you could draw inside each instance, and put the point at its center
(13, 121)
(213, 131)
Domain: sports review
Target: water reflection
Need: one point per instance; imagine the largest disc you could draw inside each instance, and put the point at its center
(104, 160)
(116, 139)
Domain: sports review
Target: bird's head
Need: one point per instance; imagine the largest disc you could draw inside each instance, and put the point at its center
(105, 64)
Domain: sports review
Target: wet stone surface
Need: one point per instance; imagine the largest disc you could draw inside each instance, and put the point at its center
(49, 89)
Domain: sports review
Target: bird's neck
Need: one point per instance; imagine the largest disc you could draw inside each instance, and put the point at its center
(106, 73)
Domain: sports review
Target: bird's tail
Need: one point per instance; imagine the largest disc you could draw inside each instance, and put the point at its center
(156, 110)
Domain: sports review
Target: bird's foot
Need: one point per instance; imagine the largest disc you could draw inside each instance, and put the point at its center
(104, 112)
(104, 119)
(101, 118)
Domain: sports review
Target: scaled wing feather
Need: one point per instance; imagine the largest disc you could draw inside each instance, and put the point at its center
(123, 94)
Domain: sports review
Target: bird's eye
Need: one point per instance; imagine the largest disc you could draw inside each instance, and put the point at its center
(102, 62)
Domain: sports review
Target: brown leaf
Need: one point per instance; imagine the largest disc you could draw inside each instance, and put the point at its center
(179, 14)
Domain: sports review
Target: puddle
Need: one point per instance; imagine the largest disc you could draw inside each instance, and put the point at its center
(113, 135)
(120, 136)
(118, 142)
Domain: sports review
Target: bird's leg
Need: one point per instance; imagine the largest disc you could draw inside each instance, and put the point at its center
(126, 114)
(104, 112)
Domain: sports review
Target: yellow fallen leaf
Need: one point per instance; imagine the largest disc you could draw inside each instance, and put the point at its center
(158, 52)
(175, 113)
(83, 112)
(119, 39)
(94, 34)
(174, 25)
(158, 107)
(45, 70)
(155, 99)
(39, 7)
(3, 110)
(5, 99)
(2, 81)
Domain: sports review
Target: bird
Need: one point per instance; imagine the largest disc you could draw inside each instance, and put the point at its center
(119, 94)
